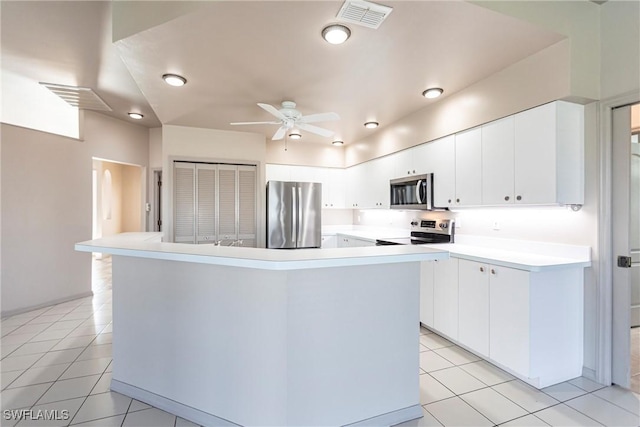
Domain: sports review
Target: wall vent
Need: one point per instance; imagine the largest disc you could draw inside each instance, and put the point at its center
(363, 13)
(83, 98)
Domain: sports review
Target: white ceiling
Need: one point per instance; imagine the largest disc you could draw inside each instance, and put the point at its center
(237, 53)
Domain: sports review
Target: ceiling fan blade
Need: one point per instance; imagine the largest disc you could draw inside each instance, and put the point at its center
(315, 129)
(320, 117)
(279, 133)
(255, 123)
(273, 110)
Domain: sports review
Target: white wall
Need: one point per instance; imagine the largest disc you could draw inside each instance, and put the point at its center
(46, 208)
(301, 153)
(188, 143)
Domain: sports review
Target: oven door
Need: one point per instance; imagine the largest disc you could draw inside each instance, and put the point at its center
(414, 193)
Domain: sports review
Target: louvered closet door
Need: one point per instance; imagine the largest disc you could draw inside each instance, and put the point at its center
(184, 202)
(206, 203)
(247, 209)
(227, 204)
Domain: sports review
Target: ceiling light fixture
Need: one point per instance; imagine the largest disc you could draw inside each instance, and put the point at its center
(336, 33)
(432, 92)
(371, 125)
(338, 143)
(174, 79)
(136, 116)
(295, 135)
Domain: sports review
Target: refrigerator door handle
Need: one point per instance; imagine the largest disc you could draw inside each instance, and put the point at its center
(294, 217)
(299, 220)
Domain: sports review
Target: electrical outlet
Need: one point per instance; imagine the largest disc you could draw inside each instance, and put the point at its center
(496, 225)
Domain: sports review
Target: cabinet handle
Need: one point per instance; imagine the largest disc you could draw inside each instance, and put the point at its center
(518, 197)
(506, 198)
(408, 172)
(414, 171)
(493, 271)
(481, 269)
(449, 200)
(457, 200)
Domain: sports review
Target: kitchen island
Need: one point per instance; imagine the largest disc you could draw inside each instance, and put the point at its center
(245, 336)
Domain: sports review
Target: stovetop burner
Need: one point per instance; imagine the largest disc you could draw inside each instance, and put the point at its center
(425, 232)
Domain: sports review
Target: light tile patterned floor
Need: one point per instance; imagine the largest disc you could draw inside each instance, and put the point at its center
(59, 358)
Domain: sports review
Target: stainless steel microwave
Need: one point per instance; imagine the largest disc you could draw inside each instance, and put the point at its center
(412, 193)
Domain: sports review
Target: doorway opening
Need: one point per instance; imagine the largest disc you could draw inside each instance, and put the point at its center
(118, 207)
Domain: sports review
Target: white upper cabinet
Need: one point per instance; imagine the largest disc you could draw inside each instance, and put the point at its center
(549, 155)
(277, 173)
(380, 172)
(468, 168)
(443, 151)
(498, 141)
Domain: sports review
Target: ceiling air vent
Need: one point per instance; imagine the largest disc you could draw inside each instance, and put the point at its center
(364, 13)
(81, 97)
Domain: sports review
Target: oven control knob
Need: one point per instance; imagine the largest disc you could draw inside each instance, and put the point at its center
(414, 223)
(443, 225)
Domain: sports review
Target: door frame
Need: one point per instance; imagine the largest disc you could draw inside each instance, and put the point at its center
(605, 254)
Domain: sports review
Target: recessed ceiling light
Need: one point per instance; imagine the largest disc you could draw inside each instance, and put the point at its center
(432, 92)
(174, 79)
(338, 143)
(136, 116)
(371, 125)
(336, 33)
(295, 135)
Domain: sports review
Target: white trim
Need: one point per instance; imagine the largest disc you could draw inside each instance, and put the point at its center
(188, 413)
(604, 268)
(45, 304)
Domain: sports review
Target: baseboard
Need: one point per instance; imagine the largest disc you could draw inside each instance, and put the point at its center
(8, 313)
(589, 373)
(391, 418)
(171, 406)
(206, 419)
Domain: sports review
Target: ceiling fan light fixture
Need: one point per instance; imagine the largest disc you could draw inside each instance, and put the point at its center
(295, 135)
(432, 92)
(338, 143)
(174, 80)
(371, 125)
(136, 116)
(336, 33)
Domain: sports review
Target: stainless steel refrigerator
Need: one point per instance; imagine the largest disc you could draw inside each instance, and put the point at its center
(293, 215)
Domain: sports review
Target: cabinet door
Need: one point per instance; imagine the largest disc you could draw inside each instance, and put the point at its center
(304, 174)
(444, 171)
(337, 188)
(509, 318)
(473, 305)
(277, 173)
(380, 172)
(358, 189)
(498, 162)
(184, 202)
(403, 164)
(206, 203)
(329, 241)
(468, 169)
(426, 293)
(343, 241)
(445, 297)
(535, 155)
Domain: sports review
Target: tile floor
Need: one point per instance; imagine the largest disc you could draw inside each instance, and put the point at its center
(59, 358)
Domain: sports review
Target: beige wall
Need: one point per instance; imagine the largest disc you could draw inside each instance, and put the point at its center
(620, 54)
(131, 201)
(300, 153)
(46, 207)
(538, 79)
(188, 143)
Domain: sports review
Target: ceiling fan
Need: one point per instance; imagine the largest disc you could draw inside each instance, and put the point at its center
(289, 117)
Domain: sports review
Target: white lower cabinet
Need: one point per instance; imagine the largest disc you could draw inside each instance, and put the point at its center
(329, 241)
(509, 324)
(426, 293)
(529, 323)
(445, 297)
(345, 241)
(473, 306)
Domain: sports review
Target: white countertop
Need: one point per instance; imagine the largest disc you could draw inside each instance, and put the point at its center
(136, 245)
(366, 233)
(513, 259)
